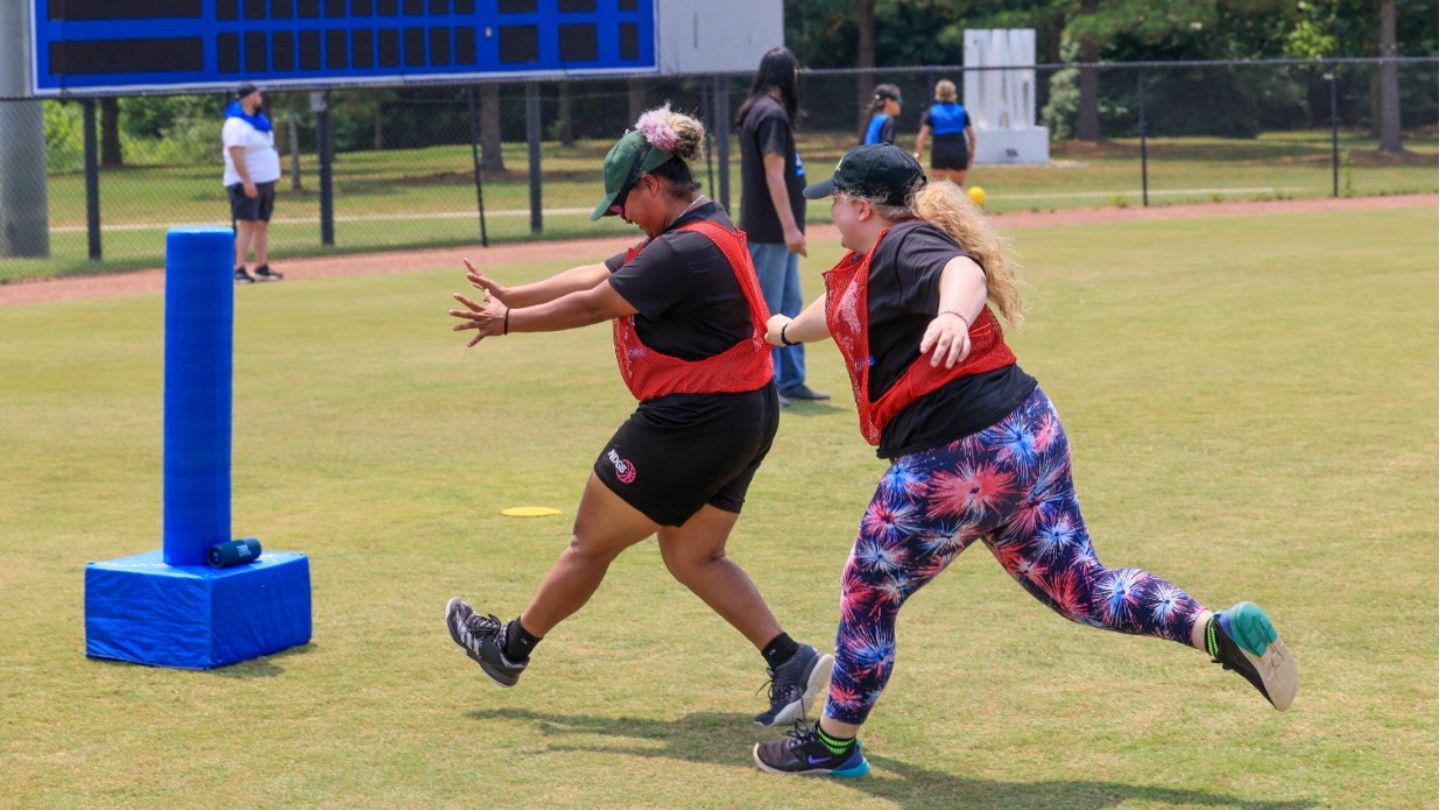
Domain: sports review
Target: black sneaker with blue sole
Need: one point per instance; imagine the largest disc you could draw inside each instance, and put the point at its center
(794, 685)
(483, 639)
(1243, 639)
(802, 753)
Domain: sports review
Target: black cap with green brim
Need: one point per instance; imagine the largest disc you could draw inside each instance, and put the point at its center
(630, 157)
(880, 171)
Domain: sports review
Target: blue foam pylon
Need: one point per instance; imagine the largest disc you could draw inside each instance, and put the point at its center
(167, 607)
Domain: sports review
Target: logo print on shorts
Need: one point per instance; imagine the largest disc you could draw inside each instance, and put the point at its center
(624, 470)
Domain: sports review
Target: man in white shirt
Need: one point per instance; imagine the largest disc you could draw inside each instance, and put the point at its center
(251, 168)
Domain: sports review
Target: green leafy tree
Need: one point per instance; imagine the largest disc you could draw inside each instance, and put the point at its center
(64, 137)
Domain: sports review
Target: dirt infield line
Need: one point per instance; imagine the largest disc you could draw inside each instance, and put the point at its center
(152, 281)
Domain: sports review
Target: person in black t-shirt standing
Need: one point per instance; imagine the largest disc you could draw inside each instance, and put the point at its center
(976, 451)
(772, 208)
(690, 341)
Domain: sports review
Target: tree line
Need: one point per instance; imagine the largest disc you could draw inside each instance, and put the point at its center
(880, 33)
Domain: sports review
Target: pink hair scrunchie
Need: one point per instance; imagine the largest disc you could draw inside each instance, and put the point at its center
(657, 130)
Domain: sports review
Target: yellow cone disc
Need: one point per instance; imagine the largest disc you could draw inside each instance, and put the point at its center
(529, 511)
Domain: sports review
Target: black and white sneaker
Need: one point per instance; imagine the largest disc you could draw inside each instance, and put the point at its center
(242, 277)
(794, 685)
(264, 273)
(1243, 639)
(483, 639)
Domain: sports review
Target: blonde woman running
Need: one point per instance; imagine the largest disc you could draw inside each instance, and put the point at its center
(976, 452)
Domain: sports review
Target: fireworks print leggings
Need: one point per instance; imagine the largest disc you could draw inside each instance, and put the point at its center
(1008, 485)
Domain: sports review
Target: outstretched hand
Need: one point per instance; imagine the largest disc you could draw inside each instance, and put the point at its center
(486, 318)
(949, 335)
(485, 284)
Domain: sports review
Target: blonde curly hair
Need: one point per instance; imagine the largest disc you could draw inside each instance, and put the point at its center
(946, 206)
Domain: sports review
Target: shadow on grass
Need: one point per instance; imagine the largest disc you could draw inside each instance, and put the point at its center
(716, 738)
(262, 667)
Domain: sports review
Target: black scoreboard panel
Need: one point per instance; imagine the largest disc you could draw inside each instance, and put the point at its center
(78, 10)
(116, 45)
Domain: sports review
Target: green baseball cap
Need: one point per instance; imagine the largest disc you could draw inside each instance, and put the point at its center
(630, 157)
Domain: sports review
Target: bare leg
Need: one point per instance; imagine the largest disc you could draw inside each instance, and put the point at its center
(837, 729)
(604, 526)
(1197, 633)
(960, 177)
(695, 554)
(244, 230)
(261, 230)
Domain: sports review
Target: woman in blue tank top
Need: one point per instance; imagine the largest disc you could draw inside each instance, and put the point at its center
(884, 107)
(954, 136)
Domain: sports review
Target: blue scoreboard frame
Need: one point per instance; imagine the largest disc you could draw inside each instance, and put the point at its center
(98, 47)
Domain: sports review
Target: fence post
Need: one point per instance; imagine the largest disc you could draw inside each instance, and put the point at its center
(1144, 152)
(722, 138)
(709, 115)
(532, 135)
(320, 103)
(296, 183)
(475, 162)
(24, 194)
(1334, 130)
(92, 182)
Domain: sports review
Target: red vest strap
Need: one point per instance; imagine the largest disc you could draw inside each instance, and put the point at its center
(745, 366)
(847, 293)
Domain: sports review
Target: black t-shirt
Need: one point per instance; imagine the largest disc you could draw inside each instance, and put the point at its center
(690, 303)
(904, 297)
(766, 130)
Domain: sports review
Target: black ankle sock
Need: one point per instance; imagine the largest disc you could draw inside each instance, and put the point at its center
(519, 641)
(779, 650)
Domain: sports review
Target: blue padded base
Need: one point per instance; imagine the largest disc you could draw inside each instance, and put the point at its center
(141, 610)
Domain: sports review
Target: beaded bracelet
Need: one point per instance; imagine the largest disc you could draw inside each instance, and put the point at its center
(962, 318)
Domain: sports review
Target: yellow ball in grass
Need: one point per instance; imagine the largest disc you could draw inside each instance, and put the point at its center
(977, 195)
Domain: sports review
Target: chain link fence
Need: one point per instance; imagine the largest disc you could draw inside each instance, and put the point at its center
(433, 166)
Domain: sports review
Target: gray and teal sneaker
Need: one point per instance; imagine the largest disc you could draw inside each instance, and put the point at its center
(794, 685)
(483, 639)
(803, 753)
(1243, 639)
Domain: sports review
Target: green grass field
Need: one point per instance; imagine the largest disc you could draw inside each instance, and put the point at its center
(426, 197)
(1252, 404)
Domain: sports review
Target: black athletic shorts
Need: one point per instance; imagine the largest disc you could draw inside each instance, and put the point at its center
(676, 454)
(950, 152)
(254, 208)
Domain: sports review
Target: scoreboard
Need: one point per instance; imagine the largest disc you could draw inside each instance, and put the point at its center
(95, 47)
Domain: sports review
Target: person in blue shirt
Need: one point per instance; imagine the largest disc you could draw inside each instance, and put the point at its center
(947, 120)
(884, 107)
